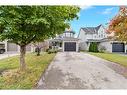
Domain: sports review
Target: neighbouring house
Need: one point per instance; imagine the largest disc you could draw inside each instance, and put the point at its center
(99, 34)
(65, 42)
(11, 47)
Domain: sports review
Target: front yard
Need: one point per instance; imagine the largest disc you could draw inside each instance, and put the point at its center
(11, 78)
(117, 58)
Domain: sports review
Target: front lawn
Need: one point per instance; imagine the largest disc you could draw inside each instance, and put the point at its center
(117, 58)
(12, 78)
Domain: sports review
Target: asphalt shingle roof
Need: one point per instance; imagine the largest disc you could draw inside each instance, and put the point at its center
(91, 30)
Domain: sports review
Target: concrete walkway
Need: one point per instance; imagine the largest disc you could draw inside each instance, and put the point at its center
(71, 70)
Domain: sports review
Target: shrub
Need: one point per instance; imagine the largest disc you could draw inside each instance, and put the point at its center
(93, 47)
(102, 48)
(52, 51)
(38, 50)
(47, 50)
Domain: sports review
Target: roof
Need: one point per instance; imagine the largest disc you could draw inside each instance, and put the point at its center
(98, 40)
(91, 30)
(93, 40)
(69, 32)
(70, 39)
(64, 39)
(55, 40)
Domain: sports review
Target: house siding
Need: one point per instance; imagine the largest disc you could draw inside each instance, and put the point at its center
(83, 38)
(125, 48)
(107, 45)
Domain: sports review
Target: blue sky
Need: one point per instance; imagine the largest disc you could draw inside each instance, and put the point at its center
(92, 16)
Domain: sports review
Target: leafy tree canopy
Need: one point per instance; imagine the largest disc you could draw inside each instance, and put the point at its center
(118, 24)
(25, 24)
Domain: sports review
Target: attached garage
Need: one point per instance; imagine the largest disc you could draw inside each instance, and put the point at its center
(70, 46)
(118, 47)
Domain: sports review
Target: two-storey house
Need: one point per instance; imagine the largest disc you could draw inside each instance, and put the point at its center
(99, 34)
(91, 34)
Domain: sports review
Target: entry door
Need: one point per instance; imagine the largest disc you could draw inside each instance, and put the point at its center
(70, 46)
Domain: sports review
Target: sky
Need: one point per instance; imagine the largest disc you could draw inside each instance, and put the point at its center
(92, 16)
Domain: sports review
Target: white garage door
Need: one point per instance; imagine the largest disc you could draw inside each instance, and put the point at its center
(12, 47)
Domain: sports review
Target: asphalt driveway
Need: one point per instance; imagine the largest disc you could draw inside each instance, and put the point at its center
(71, 70)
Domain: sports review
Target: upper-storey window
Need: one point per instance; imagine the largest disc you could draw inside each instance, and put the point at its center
(101, 35)
(68, 34)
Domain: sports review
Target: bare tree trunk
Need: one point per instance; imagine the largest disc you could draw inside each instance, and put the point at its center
(22, 58)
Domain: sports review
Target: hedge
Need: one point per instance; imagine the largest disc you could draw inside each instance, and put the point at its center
(93, 47)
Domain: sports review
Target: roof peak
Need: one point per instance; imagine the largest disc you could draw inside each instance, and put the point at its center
(92, 30)
(93, 27)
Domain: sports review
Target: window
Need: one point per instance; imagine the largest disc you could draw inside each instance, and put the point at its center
(60, 44)
(72, 35)
(64, 34)
(67, 34)
(101, 35)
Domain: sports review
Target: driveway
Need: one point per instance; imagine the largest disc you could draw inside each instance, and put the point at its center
(71, 70)
(8, 54)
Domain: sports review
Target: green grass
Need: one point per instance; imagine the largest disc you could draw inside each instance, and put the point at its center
(12, 78)
(117, 58)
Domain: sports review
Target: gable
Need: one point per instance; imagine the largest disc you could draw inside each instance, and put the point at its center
(101, 30)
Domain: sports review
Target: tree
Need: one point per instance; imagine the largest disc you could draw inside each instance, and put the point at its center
(25, 24)
(118, 24)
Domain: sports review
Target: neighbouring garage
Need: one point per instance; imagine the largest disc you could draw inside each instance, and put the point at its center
(70, 46)
(12, 47)
(28, 47)
(118, 47)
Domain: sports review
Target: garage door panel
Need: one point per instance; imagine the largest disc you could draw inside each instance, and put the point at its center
(12, 47)
(118, 47)
(70, 46)
(28, 47)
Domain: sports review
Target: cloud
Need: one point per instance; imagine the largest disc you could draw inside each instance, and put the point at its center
(85, 7)
(108, 11)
